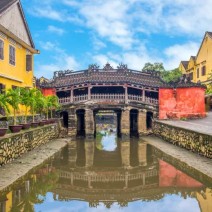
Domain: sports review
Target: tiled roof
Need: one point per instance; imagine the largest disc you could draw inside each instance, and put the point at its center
(185, 64)
(210, 34)
(5, 4)
(193, 57)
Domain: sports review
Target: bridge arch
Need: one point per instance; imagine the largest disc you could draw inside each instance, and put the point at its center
(64, 116)
(80, 113)
(134, 122)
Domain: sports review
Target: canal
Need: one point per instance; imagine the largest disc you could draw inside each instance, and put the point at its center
(109, 174)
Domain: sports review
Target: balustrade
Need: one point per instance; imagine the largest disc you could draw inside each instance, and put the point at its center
(110, 98)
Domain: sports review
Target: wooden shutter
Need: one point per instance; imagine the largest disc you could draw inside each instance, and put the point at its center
(29, 62)
(1, 50)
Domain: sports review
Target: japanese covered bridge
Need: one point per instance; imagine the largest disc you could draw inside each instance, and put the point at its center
(133, 96)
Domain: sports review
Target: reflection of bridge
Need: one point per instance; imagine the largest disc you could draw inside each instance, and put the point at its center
(133, 95)
(122, 184)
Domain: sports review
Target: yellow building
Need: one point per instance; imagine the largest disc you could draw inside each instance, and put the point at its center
(199, 67)
(16, 47)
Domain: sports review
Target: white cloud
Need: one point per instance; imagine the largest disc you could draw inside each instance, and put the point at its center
(177, 53)
(55, 30)
(62, 61)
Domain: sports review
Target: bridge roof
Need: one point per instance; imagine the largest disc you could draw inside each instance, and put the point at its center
(106, 75)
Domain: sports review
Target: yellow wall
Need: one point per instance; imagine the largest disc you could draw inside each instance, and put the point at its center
(17, 71)
(182, 68)
(205, 200)
(18, 74)
(9, 201)
(204, 57)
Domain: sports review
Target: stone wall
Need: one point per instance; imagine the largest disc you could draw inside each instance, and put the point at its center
(191, 140)
(14, 145)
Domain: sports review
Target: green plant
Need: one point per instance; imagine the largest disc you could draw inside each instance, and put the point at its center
(4, 103)
(14, 99)
(26, 101)
(35, 96)
(52, 103)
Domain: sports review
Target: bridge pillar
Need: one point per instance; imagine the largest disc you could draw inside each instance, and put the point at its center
(142, 153)
(89, 123)
(72, 122)
(89, 153)
(72, 153)
(125, 153)
(125, 123)
(142, 128)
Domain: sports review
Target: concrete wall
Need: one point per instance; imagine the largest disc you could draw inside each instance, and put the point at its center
(13, 146)
(181, 103)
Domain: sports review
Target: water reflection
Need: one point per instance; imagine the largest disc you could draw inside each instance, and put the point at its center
(134, 176)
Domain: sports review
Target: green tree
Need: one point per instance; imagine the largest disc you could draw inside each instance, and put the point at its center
(14, 100)
(153, 67)
(167, 76)
(35, 94)
(52, 103)
(172, 75)
(26, 101)
(4, 103)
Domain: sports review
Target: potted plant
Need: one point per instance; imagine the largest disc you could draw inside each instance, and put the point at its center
(25, 100)
(3, 106)
(14, 99)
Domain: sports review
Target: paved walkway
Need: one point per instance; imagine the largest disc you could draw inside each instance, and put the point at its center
(198, 125)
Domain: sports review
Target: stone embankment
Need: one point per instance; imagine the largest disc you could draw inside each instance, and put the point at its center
(11, 172)
(193, 140)
(12, 146)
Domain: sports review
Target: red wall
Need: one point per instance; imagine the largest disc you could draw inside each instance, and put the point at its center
(181, 103)
(171, 177)
(48, 91)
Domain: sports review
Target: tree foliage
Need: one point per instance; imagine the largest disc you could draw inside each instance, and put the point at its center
(167, 75)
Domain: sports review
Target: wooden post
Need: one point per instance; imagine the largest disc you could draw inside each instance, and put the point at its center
(72, 94)
(143, 95)
(89, 92)
(126, 94)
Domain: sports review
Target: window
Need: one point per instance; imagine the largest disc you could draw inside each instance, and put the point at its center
(203, 71)
(1, 49)
(14, 87)
(198, 73)
(28, 62)
(2, 88)
(191, 76)
(12, 55)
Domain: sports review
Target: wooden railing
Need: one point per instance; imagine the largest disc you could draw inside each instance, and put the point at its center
(108, 178)
(119, 98)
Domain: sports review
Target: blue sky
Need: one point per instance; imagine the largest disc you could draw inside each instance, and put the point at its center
(71, 34)
(171, 203)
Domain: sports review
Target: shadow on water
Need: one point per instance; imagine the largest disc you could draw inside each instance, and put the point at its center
(108, 172)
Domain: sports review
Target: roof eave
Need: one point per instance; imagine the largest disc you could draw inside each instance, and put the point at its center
(18, 40)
